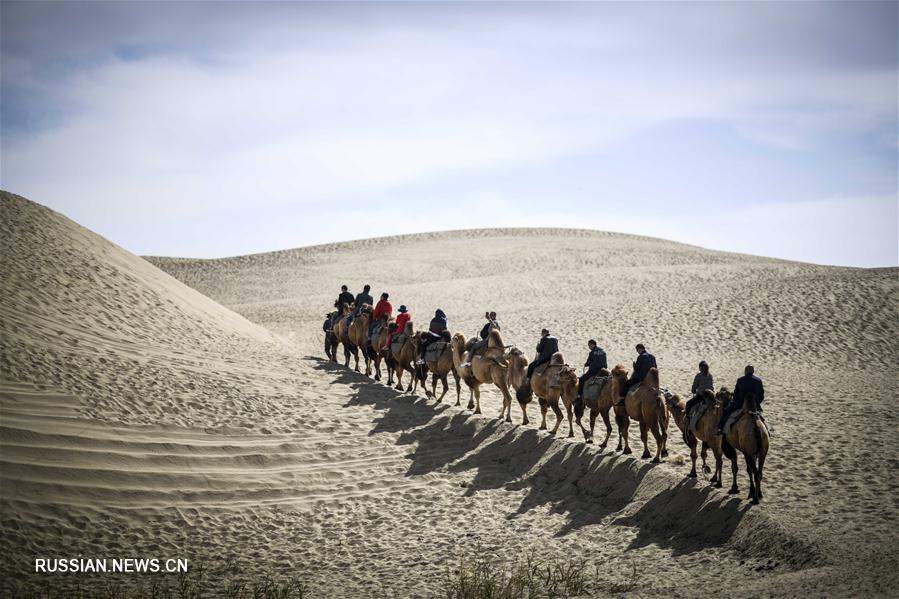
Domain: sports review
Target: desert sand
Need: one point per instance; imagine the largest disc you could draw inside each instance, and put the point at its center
(168, 407)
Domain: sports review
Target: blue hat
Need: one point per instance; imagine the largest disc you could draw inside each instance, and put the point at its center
(404, 309)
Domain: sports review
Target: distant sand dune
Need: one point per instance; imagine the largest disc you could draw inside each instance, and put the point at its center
(140, 417)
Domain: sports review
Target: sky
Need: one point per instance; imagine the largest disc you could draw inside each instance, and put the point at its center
(218, 129)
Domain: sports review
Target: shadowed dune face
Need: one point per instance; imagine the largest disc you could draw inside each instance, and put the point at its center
(141, 417)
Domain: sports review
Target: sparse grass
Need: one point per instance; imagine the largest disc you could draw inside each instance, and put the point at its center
(481, 577)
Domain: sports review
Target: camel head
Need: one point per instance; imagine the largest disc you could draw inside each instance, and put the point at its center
(366, 309)
(723, 396)
(674, 401)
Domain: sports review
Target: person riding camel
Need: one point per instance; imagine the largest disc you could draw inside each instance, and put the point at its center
(402, 318)
(596, 361)
(546, 347)
(383, 308)
(361, 299)
(480, 344)
(345, 297)
(645, 361)
(702, 381)
(748, 384)
(435, 331)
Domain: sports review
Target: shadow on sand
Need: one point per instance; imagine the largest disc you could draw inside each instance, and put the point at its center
(579, 481)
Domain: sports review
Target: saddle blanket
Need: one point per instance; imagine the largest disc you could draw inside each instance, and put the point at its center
(695, 415)
(397, 344)
(594, 385)
(734, 417)
(434, 350)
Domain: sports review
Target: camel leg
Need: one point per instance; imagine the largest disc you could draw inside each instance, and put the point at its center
(524, 412)
(734, 489)
(644, 436)
(470, 398)
(663, 434)
(355, 351)
(750, 470)
(570, 420)
(660, 442)
(476, 390)
(445, 382)
(705, 453)
(346, 354)
(719, 464)
(398, 372)
(607, 422)
(692, 443)
(758, 484)
(558, 412)
(624, 425)
(593, 414)
(414, 379)
(507, 402)
(543, 408)
(458, 388)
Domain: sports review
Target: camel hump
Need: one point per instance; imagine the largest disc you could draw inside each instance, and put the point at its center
(557, 358)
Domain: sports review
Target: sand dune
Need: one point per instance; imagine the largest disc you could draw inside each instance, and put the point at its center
(191, 415)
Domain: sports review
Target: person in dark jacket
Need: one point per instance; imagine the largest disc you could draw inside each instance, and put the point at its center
(345, 297)
(327, 327)
(438, 325)
(360, 300)
(748, 384)
(596, 361)
(492, 323)
(547, 346)
(702, 381)
(645, 361)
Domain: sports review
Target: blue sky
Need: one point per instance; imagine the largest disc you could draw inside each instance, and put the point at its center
(206, 130)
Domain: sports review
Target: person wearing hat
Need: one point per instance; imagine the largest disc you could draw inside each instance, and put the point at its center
(384, 308)
(702, 381)
(748, 384)
(644, 362)
(402, 318)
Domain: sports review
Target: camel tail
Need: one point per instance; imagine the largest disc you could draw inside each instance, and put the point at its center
(729, 452)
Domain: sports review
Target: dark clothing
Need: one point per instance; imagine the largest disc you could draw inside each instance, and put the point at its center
(326, 327)
(345, 297)
(645, 362)
(596, 360)
(364, 298)
(485, 330)
(746, 385)
(439, 323)
(545, 349)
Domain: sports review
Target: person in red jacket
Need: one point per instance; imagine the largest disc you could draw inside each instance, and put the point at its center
(402, 318)
(383, 307)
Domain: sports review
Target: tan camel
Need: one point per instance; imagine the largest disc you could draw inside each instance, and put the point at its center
(557, 381)
(491, 368)
(705, 431)
(748, 435)
(358, 337)
(379, 350)
(404, 359)
(518, 372)
(340, 332)
(604, 402)
(644, 404)
(440, 369)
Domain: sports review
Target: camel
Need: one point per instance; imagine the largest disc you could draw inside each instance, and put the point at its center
(705, 431)
(340, 332)
(404, 359)
(549, 391)
(518, 371)
(645, 405)
(604, 402)
(748, 435)
(358, 338)
(482, 370)
(440, 369)
(379, 350)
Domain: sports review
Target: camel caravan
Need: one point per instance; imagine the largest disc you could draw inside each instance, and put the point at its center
(725, 422)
